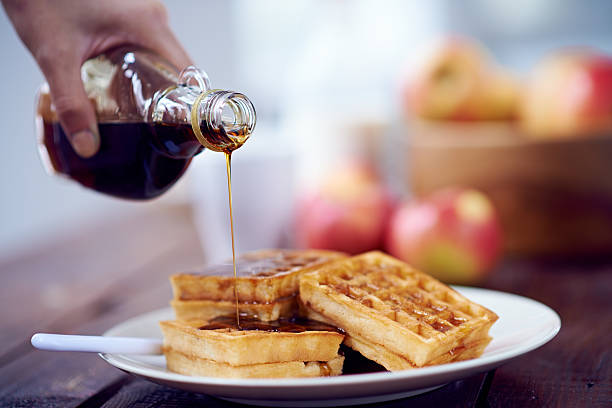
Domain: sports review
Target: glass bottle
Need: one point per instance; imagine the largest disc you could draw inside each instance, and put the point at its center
(152, 121)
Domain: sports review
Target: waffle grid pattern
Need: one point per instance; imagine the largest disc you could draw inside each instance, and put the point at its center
(411, 298)
(283, 262)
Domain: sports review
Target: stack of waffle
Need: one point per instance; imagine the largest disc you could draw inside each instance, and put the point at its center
(267, 285)
(379, 306)
(218, 349)
(205, 339)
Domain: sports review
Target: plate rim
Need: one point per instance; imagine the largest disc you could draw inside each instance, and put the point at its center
(124, 363)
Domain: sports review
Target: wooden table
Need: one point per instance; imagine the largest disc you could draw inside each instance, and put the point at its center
(119, 269)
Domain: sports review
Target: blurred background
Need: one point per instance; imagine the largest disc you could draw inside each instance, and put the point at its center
(363, 107)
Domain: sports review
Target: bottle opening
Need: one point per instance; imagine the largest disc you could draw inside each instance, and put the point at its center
(225, 120)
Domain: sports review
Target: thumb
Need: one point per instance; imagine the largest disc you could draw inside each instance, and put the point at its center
(74, 110)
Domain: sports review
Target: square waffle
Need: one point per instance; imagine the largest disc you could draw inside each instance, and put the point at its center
(267, 284)
(394, 314)
(209, 309)
(195, 366)
(286, 348)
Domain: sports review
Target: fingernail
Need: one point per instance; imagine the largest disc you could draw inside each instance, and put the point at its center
(86, 142)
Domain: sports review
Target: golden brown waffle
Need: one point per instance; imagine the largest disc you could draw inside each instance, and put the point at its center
(392, 361)
(267, 284)
(235, 347)
(189, 365)
(296, 349)
(209, 309)
(263, 276)
(394, 314)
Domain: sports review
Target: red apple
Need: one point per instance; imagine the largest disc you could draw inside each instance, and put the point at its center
(569, 94)
(459, 81)
(454, 235)
(347, 212)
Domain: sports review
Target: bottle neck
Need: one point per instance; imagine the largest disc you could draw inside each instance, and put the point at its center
(222, 120)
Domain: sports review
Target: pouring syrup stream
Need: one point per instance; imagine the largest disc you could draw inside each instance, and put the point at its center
(228, 164)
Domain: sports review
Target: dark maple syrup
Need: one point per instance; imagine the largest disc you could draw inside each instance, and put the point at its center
(135, 161)
(228, 165)
(285, 325)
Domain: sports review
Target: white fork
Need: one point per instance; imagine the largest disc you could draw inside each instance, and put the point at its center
(96, 344)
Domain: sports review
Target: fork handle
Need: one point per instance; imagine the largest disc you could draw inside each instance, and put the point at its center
(96, 344)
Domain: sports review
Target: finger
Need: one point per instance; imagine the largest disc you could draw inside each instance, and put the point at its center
(74, 110)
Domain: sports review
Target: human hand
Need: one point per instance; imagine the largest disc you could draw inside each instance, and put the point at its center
(63, 34)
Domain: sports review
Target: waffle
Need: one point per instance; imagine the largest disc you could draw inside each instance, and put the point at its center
(209, 309)
(394, 314)
(215, 348)
(267, 284)
(393, 361)
(189, 365)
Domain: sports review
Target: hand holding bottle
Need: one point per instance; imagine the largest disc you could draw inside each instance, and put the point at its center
(63, 34)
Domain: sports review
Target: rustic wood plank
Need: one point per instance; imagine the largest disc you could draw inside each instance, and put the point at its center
(40, 378)
(575, 368)
(71, 378)
(53, 288)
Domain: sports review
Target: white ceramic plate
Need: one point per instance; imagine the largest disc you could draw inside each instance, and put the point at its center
(523, 325)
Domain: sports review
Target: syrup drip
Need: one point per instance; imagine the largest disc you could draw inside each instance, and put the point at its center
(228, 164)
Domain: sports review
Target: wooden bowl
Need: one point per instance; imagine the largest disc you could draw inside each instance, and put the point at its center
(553, 196)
